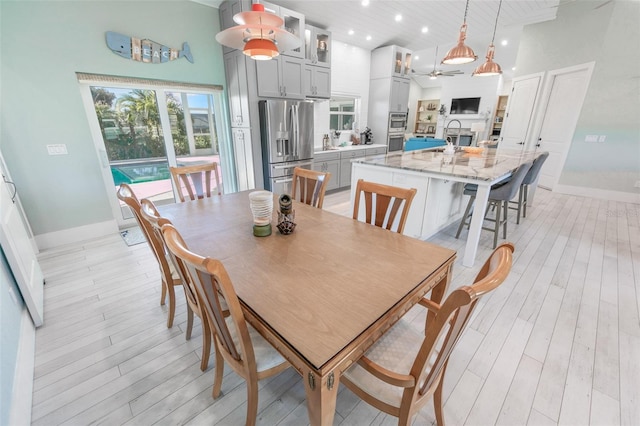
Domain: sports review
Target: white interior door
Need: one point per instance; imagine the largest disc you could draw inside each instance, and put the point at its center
(520, 108)
(17, 246)
(564, 94)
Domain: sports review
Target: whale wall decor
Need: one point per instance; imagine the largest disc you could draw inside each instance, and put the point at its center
(145, 50)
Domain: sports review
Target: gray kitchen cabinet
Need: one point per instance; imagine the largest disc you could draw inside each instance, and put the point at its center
(317, 82)
(328, 162)
(226, 11)
(281, 77)
(345, 165)
(235, 66)
(293, 23)
(376, 151)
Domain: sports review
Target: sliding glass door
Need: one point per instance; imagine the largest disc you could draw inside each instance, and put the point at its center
(145, 129)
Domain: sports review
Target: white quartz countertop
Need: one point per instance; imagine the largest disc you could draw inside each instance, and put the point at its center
(487, 166)
(350, 148)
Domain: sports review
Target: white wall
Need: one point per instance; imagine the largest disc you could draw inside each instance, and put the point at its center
(349, 77)
(608, 34)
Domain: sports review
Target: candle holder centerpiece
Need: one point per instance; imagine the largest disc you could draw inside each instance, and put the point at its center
(261, 203)
(286, 215)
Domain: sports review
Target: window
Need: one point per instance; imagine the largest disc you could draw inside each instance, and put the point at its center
(343, 112)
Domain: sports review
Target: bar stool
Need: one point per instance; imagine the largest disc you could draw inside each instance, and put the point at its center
(529, 179)
(499, 197)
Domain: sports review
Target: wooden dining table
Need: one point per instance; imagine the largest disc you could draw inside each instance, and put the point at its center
(321, 295)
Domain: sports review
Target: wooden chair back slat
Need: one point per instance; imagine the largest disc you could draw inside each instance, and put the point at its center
(211, 281)
(186, 177)
(309, 186)
(390, 201)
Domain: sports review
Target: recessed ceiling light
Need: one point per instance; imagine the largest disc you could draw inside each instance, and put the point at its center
(365, 2)
(504, 42)
(350, 32)
(398, 17)
(417, 58)
(368, 37)
(513, 69)
(424, 30)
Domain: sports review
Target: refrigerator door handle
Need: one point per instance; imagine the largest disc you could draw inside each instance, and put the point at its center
(285, 180)
(288, 166)
(296, 131)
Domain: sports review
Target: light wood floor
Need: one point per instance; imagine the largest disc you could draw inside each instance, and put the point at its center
(558, 343)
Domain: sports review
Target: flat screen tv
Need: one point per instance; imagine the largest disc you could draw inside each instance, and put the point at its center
(465, 106)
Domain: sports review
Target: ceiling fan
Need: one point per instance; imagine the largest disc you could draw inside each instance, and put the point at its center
(435, 73)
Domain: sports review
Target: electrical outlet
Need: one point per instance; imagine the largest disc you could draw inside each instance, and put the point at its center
(591, 138)
(602, 138)
(58, 149)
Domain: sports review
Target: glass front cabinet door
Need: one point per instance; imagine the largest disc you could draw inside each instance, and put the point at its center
(317, 46)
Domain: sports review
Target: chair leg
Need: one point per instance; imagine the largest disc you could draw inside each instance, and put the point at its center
(524, 206)
(520, 201)
(172, 305)
(189, 322)
(217, 381)
(206, 345)
(506, 208)
(252, 402)
(496, 229)
(437, 402)
(466, 214)
(163, 296)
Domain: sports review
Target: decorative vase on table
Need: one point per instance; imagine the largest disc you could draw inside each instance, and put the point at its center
(286, 215)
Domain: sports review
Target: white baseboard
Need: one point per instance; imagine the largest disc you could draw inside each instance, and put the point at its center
(23, 379)
(624, 197)
(75, 235)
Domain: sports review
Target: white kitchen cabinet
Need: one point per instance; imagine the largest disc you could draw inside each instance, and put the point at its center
(317, 46)
(399, 96)
(235, 66)
(317, 82)
(391, 61)
(293, 23)
(415, 218)
(376, 151)
(281, 77)
(243, 155)
(328, 162)
(445, 201)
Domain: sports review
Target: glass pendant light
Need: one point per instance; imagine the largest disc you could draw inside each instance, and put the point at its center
(489, 67)
(461, 53)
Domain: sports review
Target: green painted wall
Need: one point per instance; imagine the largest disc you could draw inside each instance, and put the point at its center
(43, 45)
(608, 34)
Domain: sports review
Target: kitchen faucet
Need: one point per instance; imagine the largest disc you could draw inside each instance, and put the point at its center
(459, 128)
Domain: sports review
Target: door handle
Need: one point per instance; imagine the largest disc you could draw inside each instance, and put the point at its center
(283, 180)
(287, 166)
(520, 143)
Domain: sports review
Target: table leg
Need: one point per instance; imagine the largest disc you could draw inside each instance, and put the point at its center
(321, 397)
(482, 197)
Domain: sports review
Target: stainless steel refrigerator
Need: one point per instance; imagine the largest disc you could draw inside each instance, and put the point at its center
(286, 129)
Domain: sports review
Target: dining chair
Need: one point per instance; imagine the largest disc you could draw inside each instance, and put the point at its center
(311, 184)
(406, 367)
(388, 201)
(196, 180)
(499, 197)
(530, 178)
(168, 276)
(150, 213)
(237, 343)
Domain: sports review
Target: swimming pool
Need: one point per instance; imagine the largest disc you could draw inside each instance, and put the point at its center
(139, 172)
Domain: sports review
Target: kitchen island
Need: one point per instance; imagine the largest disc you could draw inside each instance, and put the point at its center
(439, 179)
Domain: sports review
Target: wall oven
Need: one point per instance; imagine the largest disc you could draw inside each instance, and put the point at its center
(397, 122)
(395, 142)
